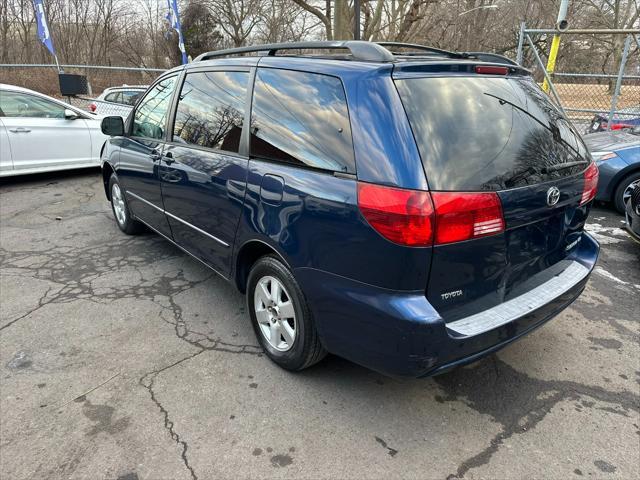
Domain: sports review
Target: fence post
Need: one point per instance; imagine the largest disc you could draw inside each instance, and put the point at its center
(520, 44)
(616, 92)
(356, 20)
(546, 75)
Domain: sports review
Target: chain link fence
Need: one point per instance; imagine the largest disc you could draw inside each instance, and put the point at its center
(587, 97)
(43, 78)
(590, 98)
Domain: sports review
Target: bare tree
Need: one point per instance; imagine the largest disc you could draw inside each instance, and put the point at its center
(238, 18)
(135, 32)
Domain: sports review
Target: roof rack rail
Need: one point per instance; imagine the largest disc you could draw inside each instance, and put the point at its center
(425, 48)
(360, 50)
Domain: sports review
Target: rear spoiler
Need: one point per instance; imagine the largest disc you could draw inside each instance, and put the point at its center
(491, 58)
(469, 65)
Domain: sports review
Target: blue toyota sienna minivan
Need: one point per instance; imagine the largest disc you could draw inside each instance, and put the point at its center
(407, 208)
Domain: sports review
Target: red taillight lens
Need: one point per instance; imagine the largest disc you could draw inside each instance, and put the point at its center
(416, 218)
(491, 70)
(92, 107)
(463, 216)
(591, 175)
(402, 216)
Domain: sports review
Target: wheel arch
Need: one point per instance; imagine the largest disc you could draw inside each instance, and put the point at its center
(107, 171)
(620, 176)
(632, 169)
(247, 255)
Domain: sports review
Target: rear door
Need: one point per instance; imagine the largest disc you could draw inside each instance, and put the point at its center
(6, 164)
(40, 136)
(203, 171)
(141, 152)
(499, 136)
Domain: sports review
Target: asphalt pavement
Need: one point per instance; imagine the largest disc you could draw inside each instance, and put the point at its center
(123, 358)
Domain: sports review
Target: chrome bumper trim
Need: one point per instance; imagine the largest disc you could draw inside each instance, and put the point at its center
(517, 307)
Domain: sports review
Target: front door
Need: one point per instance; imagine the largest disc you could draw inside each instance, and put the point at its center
(203, 174)
(140, 156)
(40, 137)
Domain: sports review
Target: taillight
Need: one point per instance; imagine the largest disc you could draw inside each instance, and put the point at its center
(590, 184)
(464, 216)
(491, 70)
(402, 216)
(92, 107)
(418, 219)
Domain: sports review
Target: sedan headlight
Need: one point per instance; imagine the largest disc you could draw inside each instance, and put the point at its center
(602, 156)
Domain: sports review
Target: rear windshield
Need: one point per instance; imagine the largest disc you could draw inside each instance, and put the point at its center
(479, 133)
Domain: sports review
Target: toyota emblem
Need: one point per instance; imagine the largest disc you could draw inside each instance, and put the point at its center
(553, 195)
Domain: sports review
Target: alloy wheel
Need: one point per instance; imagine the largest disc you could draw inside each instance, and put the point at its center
(275, 313)
(119, 208)
(627, 191)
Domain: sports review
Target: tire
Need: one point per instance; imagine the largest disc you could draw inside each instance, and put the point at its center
(269, 315)
(120, 208)
(622, 186)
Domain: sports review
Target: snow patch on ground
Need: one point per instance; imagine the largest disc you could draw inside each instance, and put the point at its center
(606, 235)
(601, 271)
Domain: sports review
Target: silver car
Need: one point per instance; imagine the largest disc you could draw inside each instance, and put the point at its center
(117, 100)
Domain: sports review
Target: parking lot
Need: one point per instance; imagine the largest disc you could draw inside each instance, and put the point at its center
(123, 358)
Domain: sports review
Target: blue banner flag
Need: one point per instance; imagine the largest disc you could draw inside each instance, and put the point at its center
(174, 19)
(43, 29)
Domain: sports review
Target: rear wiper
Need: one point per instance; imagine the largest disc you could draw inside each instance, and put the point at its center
(515, 178)
(562, 166)
(555, 131)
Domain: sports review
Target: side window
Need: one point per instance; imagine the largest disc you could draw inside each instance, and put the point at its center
(149, 118)
(16, 104)
(112, 97)
(211, 110)
(301, 118)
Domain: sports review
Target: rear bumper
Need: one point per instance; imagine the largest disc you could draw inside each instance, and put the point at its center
(400, 333)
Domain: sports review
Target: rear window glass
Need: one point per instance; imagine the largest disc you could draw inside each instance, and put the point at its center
(301, 118)
(479, 133)
(129, 98)
(113, 97)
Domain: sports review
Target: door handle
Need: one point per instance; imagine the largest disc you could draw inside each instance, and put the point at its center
(19, 130)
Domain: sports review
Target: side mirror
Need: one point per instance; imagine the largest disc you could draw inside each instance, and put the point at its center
(70, 114)
(112, 126)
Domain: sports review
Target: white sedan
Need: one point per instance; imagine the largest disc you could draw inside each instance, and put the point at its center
(41, 134)
(117, 100)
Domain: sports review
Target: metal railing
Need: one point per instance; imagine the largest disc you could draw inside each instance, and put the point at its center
(44, 77)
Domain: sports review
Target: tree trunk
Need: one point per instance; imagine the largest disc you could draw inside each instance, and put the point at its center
(338, 20)
(4, 27)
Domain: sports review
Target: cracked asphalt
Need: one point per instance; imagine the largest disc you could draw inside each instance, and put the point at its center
(123, 358)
